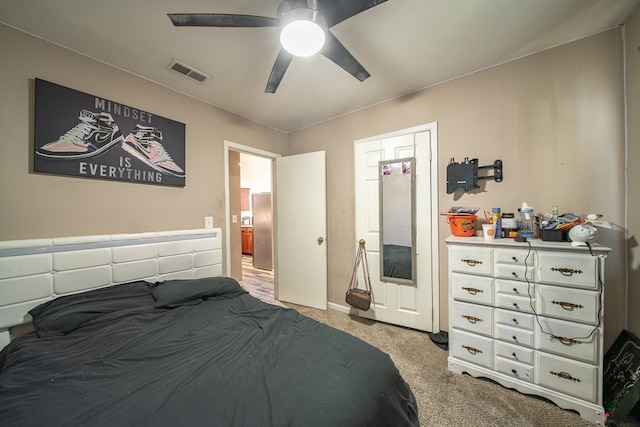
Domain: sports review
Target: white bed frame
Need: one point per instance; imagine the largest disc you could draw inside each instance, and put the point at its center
(37, 270)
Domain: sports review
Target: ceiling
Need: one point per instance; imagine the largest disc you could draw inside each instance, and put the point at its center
(405, 45)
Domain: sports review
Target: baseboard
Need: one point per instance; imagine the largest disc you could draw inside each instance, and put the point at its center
(338, 307)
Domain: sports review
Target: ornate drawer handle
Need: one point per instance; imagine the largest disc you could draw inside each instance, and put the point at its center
(566, 271)
(514, 258)
(471, 350)
(472, 291)
(514, 274)
(567, 305)
(566, 341)
(565, 376)
(515, 291)
(471, 262)
(515, 321)
(515, 338)
(516, 306)
(472, 319)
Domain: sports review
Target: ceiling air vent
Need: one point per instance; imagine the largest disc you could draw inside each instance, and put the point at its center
(188, 71)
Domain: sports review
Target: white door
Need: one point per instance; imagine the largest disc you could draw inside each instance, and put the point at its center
(399, 304)
(301, 229)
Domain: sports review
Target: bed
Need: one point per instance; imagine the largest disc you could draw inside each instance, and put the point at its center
(179, 346)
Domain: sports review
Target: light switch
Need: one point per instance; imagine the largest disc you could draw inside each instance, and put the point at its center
(208, 222)
(234, 218)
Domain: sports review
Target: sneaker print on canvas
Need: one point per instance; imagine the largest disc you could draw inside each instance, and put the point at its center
(144, 142)
(93, 135)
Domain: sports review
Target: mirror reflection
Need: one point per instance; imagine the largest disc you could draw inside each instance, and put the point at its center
(397, 229)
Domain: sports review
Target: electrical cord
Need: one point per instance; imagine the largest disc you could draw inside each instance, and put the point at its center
(531, 298)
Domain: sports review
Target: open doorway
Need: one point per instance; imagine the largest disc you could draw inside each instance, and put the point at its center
(300, 262)
(256, 222)
(250, 219)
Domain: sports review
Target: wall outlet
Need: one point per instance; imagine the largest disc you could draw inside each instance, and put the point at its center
(234, 218)
(208, 222)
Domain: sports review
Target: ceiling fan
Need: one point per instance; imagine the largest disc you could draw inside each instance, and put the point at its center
(319, 15)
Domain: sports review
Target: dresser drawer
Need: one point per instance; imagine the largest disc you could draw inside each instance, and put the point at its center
(567, 376)
(513, 256)
(466, 287)
(514, 319)
(514, 369)
(568, 339)
(512, 287)
(514, 302)
(473, 260)
(472, 317)
(514, 335)
(564, 303)
(514, 271)
(569, 269)
(472, 348)
(514, 352)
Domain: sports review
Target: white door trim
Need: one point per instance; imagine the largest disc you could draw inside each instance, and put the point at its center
(228, 145)
(435, 231)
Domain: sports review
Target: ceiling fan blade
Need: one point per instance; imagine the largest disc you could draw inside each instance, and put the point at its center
(335, 51)
(277, 72)
(336, 11)
(220, 20)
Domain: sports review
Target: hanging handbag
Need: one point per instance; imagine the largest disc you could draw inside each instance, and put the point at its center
(357, 297)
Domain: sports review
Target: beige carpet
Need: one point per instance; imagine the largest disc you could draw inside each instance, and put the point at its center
(446, 398)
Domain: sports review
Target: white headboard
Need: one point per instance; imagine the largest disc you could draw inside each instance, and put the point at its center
(36, 270)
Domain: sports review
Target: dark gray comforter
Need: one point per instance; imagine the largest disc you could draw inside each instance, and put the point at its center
(192, 353)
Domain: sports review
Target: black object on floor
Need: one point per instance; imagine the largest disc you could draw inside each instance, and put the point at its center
(621, 389)
(441, 339)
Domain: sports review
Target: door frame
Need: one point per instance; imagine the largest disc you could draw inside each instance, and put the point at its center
(434, 204)
(228, 145)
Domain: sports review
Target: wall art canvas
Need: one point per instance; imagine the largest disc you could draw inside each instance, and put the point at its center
(88, 136)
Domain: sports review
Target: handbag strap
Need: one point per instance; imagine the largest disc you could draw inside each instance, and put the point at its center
(365, 266)
(354, 275)
(361, 259)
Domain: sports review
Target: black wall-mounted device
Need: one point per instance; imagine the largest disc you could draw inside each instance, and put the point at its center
(465, 174)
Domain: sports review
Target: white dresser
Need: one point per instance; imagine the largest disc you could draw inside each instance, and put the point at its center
(529, 315)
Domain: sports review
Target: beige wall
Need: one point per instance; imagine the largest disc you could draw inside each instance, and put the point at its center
(633, 164)
(37, 205)
(555, 119)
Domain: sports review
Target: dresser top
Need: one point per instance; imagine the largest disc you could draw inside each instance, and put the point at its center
(535, 244)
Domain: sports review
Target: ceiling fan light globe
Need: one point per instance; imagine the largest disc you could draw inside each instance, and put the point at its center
(302, 38)
(302, 32)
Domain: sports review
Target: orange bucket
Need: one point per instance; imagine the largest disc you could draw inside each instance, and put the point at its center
(462, 225)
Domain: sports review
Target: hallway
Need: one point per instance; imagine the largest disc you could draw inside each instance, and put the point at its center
(258, 282)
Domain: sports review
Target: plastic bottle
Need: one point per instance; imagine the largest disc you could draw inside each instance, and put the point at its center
(554, 213)
(495, 219)
(526, 228)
